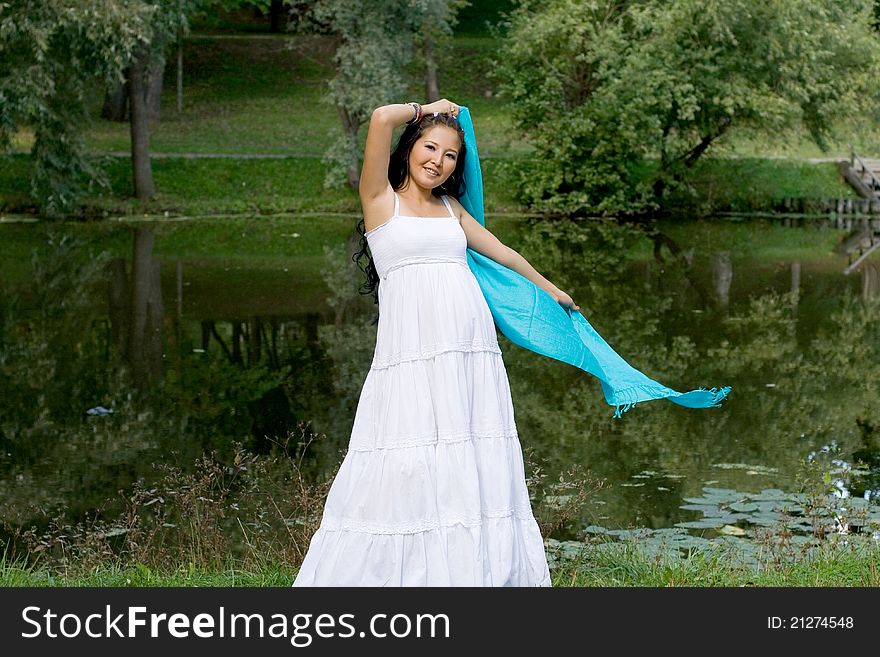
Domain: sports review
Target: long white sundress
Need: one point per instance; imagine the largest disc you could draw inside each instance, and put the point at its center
(431, 491)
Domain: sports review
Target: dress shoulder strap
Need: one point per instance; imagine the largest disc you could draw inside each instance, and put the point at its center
(396, 205)
(448, 206)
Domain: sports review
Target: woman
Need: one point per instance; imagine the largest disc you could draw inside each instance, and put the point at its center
(432, 489)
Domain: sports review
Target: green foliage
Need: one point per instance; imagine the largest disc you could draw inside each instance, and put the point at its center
(49, 51)
(602, 86)
(377, 39)
(50, 55)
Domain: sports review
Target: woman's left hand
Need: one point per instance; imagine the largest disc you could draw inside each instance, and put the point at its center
(565, 301)
(443, 106)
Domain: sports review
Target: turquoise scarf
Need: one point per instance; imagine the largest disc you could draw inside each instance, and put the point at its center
(531, 318)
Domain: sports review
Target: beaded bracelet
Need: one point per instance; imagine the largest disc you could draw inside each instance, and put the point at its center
(417, 112)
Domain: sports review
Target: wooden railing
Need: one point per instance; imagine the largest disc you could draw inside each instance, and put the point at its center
(859, 166)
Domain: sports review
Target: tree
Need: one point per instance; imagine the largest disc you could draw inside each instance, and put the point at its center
(169, 21)
(439, 19)
(622, 98)
(50, 51)
(376, 42)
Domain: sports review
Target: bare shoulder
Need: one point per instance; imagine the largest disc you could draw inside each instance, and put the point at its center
(378, 209)
(458, 208)
(478, 236)
(465, 218)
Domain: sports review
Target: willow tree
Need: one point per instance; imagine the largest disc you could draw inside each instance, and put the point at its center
(51, 51)
(51, 54)
(376, 42)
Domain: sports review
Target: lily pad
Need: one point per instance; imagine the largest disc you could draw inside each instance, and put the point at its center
(630, 533)
(705, 523)
(751, 469)
(595, 529)
(705, 509)
(771, 494)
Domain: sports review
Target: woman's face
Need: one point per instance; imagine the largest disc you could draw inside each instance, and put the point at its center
(434, 156)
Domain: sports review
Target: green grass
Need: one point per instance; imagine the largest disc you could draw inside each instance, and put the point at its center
(616, 567)
(625, 566)
(241, 96)
(267, 95)
(860, 132)
(199, 187)
(266, 574)
(744, 183)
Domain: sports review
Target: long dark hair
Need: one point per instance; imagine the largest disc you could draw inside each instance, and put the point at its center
(398, 172)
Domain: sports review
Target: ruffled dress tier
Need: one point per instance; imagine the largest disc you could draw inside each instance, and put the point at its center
(431, 491)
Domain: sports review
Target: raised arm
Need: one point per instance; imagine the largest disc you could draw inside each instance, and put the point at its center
(377, 153)
(374, 172)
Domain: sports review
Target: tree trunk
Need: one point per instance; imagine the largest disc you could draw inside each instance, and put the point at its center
(116, 103)
(140, 132)
(154, 90)
(275, 15)
(432, 89)
(255, 344)
(870, 281)
(141, 279)
(179, 75)
(237, 336)
(119, 298)
(350, 126)
(722, 274)
(154, 329)
(694, 154)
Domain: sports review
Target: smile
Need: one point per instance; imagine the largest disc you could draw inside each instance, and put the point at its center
(432, 171)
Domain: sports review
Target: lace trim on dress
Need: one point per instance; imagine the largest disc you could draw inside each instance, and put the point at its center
(424, 260)
(359, 444)
(465, 346)
(418, 526)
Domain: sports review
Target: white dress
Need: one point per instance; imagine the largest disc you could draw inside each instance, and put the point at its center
(432, 490)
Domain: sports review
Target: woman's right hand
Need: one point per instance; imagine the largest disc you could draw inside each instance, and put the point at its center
(443, 106)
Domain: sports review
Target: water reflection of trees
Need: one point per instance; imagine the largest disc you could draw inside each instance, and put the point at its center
(788, 396)
(250, 380)
(136, 309)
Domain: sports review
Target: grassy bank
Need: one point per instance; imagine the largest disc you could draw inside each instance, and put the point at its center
(207, 186)
(249, 524)
(743, 184)
(621, 566)
(198, 187)
(625, 565)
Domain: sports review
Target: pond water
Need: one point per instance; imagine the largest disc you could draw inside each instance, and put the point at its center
(242, 330)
